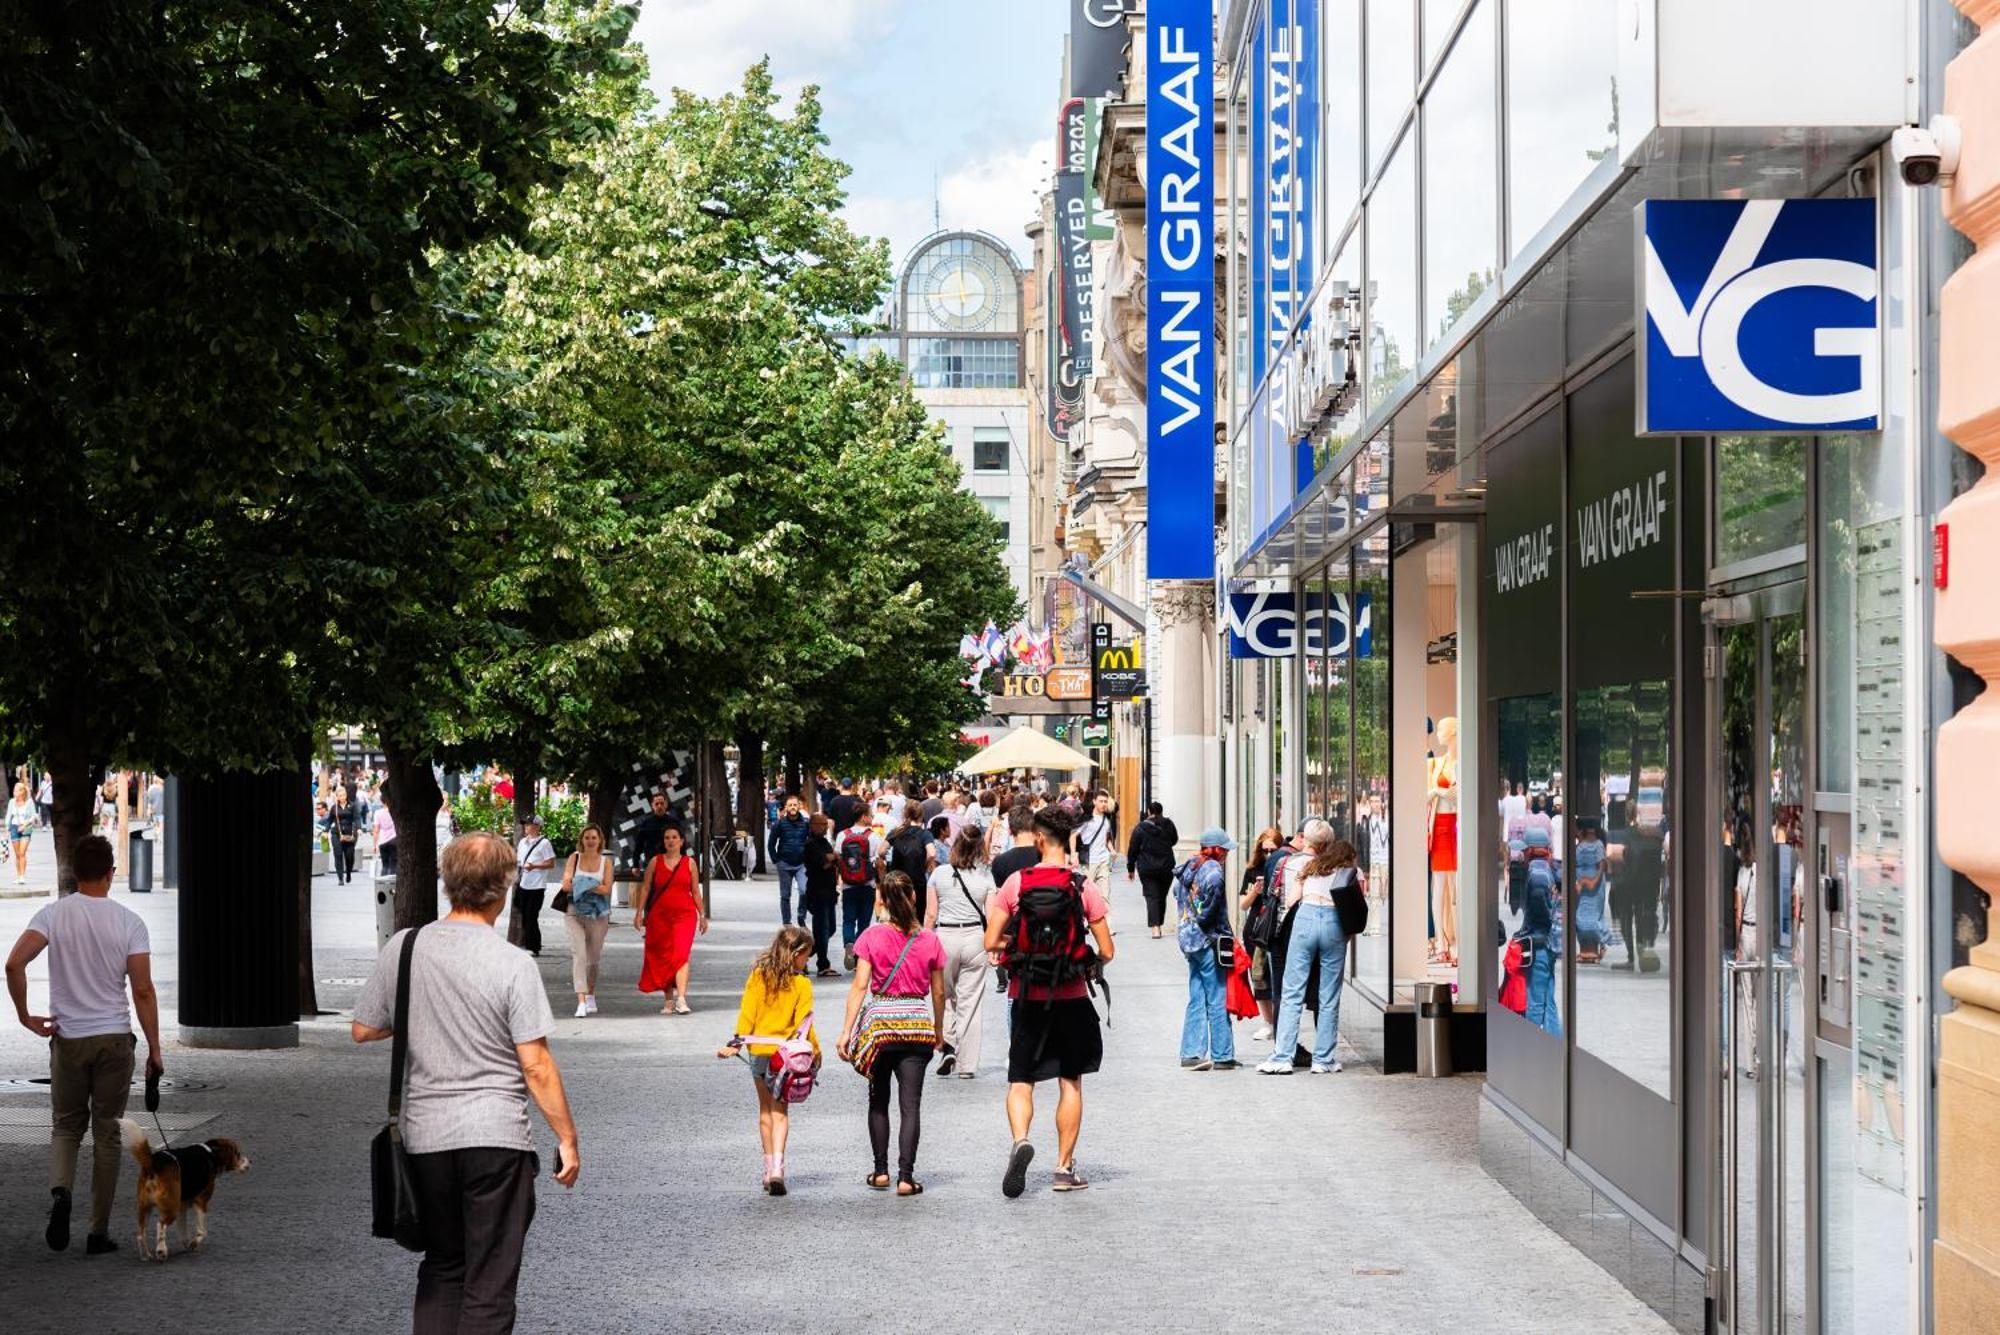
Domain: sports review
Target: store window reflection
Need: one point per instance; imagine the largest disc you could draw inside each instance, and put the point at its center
(1760, 487)
(1562, 105)
(1372, 724)
(1621, 856)
(1392, 70)
(1392, 275)
(1531, 919)
(1460, 133)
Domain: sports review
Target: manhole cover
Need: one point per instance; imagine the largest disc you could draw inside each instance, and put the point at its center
(345, 982)
(166, 1082)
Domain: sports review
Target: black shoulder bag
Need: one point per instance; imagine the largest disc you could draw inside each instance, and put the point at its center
(976, 906)
(394, 1186)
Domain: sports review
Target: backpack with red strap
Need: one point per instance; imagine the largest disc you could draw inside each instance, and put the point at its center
(1049, 936)
(856, 868)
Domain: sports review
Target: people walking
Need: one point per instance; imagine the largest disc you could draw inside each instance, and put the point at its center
(1309, 883)
(45, 799)
(647, 830)
(1201, 893)
(343, 823)
(21, 821)
(858, 861)
(478, 1048)
(96, 947)
(785, 845)
(1094, 841)
(1042, 924)
(587, 877)
(535, 855)
(822, 892)
(908, 961)
(777, 1002)
(671, 915)
(385, 840)
(1150, 857)
(958, 892)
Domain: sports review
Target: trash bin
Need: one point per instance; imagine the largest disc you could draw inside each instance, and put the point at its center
(385, 909)
(1433, 1029)
(139, 864)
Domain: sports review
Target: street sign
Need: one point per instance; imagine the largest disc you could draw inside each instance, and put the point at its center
(1096, 734)
(1120, 674)
(1100, 708)
(1068, 683)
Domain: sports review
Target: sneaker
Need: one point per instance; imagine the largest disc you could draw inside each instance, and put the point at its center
(582, 1009)
(1069, 1179)
(948, 1063)
(1230, 1065)
(58, 1234)
(1196, 1063)
(850, 960)
(590, 1004)
(1015, 1180)
(1265, 1033)
(1274, 1066)
(97, 1244)
(1334, 1069)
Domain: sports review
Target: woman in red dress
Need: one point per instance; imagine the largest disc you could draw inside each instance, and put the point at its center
(669, 914)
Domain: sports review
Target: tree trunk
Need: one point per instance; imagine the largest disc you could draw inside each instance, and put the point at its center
(603, 810)
(73, 779)
(750, 792)
(413, 796)
(795, 782)
(525, 781)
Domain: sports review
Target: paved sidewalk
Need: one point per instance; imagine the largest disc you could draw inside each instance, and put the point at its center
(1358, 1197)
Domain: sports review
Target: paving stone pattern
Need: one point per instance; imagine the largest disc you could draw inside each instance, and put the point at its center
(1219, 1201)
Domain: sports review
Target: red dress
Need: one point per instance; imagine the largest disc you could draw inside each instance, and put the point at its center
(672, 909)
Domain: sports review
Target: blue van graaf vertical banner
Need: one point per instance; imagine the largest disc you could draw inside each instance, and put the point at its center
(1180, 290)
(1305, 180)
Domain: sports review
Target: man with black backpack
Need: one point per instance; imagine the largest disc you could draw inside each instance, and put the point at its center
(1042, 925)
(857, 860)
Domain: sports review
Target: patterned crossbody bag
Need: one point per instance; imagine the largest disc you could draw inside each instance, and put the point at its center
(885, 1019)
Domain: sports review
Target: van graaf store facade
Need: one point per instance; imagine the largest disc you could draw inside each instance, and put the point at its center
(1622, 713)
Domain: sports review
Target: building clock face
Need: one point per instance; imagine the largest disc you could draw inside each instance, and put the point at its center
(961, 292)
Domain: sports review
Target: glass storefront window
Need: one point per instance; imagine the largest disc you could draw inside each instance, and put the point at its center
(1531, 909)
(1372, 730)
(1312, 599)
(1391, 219)
(1340, 113)
(1562, 105)
(1392, 70)
(1760, 487)
(1461, 237)
(1621, 827)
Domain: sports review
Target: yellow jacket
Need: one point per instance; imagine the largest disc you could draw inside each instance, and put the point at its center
(775, 1015)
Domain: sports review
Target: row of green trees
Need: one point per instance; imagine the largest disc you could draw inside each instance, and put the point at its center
(400, 362)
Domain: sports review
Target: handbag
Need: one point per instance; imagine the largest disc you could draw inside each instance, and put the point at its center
(885, 1019)
(392, 1184)
(1351, 907)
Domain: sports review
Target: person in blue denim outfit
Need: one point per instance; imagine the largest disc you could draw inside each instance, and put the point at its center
(587, 880)
(1207, 1042)
(1542, 925)
(1311, 878)
(786, 847)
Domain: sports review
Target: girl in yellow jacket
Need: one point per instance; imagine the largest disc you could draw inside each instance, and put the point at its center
(777, 999)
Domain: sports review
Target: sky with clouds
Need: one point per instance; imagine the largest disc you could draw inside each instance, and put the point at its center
(949, 103)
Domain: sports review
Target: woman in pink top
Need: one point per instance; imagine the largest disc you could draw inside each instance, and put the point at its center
(909, 959)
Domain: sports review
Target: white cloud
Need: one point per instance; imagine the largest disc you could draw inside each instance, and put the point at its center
(997, 193)
(705, 45)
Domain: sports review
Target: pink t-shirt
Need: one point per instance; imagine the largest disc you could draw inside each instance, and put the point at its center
(1008, 898)
(881, 944)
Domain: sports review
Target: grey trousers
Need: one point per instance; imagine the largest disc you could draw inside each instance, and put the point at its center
(967, 978)
(89, 1079)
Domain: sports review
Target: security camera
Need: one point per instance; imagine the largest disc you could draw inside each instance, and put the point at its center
(1927, 155)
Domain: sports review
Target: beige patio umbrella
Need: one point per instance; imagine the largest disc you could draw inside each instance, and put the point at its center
(1024, 748)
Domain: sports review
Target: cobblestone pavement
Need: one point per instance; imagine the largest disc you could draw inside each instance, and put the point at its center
(1219, 1201)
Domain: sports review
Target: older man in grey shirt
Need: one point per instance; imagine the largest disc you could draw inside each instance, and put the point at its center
(477, 1049)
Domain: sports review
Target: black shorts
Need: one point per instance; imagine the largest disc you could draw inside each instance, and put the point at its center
(1054, 1039)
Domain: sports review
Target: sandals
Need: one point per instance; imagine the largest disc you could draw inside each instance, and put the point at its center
(909, 1186)
(877, 1181)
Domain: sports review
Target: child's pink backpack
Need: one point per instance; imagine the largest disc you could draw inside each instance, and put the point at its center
(791, 1070)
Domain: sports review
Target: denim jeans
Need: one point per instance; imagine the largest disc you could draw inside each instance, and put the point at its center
(823, 911)
(1316, 935)
(857, 910)
(1206, 1031)
(789, 876)
(1543, 1010)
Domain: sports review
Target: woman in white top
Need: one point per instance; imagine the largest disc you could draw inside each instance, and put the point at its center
(587, 882)
(21, 821)
(1311, 878)
(955, 905)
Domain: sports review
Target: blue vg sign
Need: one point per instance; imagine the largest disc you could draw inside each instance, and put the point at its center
(1268, 625)
(1760, 315)
(1180, 290)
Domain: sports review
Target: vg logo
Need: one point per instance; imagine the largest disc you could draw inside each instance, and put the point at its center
(1760, 316)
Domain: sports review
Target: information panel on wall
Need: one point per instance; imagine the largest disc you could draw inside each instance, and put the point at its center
(1180, 290)
(1760, 315)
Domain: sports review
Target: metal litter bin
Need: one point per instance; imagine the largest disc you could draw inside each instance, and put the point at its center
(139, 863)
(1433, 1029)
(385, 908)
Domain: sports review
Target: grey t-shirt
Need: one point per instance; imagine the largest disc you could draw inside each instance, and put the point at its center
(473, 997)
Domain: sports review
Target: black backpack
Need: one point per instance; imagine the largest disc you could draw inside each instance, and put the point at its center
(1049, 936)
(1264, 923)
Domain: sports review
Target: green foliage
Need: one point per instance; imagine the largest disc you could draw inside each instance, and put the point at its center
(562, 821)
(477, 808)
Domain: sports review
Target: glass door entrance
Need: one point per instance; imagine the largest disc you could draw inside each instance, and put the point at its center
(1758, 668)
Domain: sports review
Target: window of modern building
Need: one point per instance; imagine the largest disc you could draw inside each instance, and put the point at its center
(1760, 489)
(991, 446)
(1340, 116)
(1438, 18)
(1392, 71)
(1002, 510)
(965, 363)
(1562, 105)
(1461, 132)
(1392, 274)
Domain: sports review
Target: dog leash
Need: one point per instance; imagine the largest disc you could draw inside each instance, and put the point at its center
(153, 1107)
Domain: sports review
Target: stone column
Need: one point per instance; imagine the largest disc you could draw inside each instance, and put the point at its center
(1967, 626)
(1183, 687)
